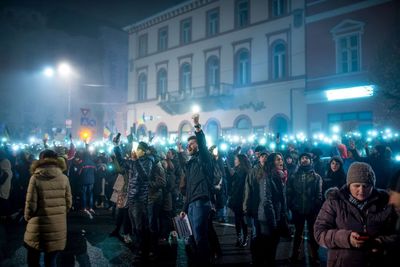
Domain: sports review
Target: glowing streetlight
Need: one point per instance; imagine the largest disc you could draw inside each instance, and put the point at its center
(64, 69)
(335, 129)
(49, 72)
(196, 109)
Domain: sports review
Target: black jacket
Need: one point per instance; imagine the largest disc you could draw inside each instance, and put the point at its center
(199, 173)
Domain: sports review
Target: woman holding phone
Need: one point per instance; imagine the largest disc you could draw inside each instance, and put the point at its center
(356, 223)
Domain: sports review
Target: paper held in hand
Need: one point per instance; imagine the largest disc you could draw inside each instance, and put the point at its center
(182, 226)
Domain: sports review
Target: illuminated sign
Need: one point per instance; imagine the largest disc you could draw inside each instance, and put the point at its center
(350, 93)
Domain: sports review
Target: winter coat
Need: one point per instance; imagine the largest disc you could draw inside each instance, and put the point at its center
(334, 179)
(168, 189)
(157, 183)
(236, 194)
(272, 206)
(47, 202)
(304, 192)
(252, 192)
(87, 172)
(139, 172)
(338, 218)
(198, 173)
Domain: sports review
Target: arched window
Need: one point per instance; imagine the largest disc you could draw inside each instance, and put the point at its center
(279, 60)
(142, 93)
(212, 74)
(243, 125)
(212, 130)
(162, 131)
(162, 83)
(186, 78)
(279, 124)
(141, 131)
(242, 64)
(185, 130)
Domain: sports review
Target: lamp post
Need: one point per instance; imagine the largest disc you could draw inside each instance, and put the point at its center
(64, 70)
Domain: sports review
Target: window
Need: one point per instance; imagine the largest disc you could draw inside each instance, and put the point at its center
(186, 31)
(185, 130)
(243, 125)
(212, 74)
(212, 130)
(142, 94)
(185, 78)
(348, 53)
(142, 45)
(212, 22)
(279, 124)
(278, 7)
(298, 18)
(242, 63)
(162, 131)
(279, 61)
(163, 39)
(242, 13)
(162, 83)
(347, 35)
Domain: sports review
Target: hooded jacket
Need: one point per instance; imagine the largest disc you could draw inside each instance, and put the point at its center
(338, 218)
(47, 201)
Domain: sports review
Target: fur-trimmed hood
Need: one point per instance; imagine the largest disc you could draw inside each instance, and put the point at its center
(41, 166)
(335, 193)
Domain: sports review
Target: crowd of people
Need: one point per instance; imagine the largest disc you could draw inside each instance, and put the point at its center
(347, 202)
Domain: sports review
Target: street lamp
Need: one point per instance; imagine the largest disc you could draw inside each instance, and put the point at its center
(65, 71)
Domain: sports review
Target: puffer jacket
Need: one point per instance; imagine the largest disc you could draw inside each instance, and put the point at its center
(338, 218)
(47, 201)
(139, 172)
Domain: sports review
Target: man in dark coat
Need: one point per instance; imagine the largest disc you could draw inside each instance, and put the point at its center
(199, 182)
(304, 196)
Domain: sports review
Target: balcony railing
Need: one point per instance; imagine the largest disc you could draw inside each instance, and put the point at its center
(222, 89)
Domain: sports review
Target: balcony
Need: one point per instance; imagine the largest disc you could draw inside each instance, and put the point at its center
(209, 98)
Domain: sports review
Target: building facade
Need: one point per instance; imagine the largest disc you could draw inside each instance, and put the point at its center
(242, 62)
(343, 42)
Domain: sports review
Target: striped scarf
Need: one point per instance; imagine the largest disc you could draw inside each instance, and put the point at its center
(359, 204)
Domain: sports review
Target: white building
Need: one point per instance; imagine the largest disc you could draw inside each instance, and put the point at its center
(242, 62)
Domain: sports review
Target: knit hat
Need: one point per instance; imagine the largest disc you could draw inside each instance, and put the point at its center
(360, 172)
(308, 155)
(143, 146)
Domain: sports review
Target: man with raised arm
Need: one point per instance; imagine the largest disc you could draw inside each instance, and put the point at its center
(199, 178)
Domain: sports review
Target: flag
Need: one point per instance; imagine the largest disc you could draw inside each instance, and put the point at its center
(106, 133)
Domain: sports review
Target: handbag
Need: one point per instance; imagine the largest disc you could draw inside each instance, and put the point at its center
(121, 200)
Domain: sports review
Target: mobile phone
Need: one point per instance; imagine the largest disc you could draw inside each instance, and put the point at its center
(363, 237)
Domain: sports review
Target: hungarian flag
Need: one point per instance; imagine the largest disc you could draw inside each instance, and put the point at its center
(106, 133)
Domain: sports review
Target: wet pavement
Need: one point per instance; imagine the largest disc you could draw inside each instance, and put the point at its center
(89, 244)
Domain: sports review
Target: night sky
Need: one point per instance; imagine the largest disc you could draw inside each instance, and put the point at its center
(84, 16)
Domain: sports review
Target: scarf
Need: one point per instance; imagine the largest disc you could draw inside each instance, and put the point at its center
(359, 204)
(307, 168)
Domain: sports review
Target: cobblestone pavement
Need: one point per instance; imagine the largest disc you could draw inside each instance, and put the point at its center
(89, 244)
